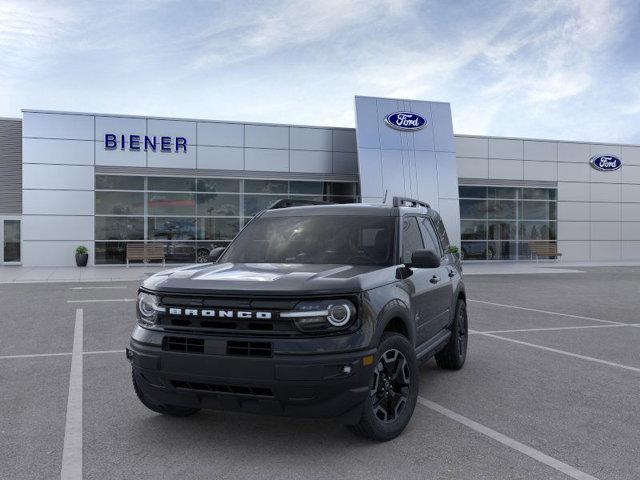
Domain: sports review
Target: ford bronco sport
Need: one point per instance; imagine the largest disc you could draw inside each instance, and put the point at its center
(314, 311)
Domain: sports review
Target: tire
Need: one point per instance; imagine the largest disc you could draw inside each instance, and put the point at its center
(453, 355)
(202, 256)
(173, 410)
(393, 391)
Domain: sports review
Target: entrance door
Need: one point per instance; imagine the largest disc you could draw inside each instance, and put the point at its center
(10, 240)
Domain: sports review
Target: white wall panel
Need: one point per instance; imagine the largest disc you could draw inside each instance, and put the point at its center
(393, 173)
(367, 122)
(606, 150)
(344, 141)
(631, 231)
(602, 192)
(344, 162)
(449, 210)
(547, 171)
(605, 177)
(605, 230)
(173, 128)
(427, 182)
(311, 138)
(573, 192)
(574, 152)
(601, 251)
(442, 128)
(120, 126)
(52, 253)
(574, 172)
(120, 158)
(630, 155)
(546, 151)
(630, 193)
(472, 147)
(310, 161)
(603, 212)
(432, 134)
(70, 152)
(447, 175)
(575, 211)
(506, 169)
(220, 134)
(266, 136)
(67, 177)
(57, 202)
(473, 167)
(220, 158)
(173, 159)
(506, 149)
(573, 251)
(573, 231)
(630, 250)
(630, 212)
(55, 125)
(370, 172)
(266, 160)
(50, 227)
(630, 174)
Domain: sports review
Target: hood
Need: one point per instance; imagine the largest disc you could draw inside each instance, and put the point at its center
(270, 279)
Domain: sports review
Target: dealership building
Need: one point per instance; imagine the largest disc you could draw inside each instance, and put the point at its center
(106, 181)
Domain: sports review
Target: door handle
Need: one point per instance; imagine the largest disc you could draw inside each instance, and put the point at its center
(435, 279)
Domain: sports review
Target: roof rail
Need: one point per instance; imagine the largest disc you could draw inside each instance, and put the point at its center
(295, 202)
(409, 202)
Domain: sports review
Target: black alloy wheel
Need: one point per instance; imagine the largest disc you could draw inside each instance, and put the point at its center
(390, 389)
(202, 256)
(454, 354)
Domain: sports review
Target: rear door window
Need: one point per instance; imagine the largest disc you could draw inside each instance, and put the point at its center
(411, 238)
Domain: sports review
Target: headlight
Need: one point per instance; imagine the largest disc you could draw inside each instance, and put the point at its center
(148, 309)
(322, 316)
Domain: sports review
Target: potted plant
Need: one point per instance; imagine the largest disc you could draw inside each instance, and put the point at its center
(82, 256)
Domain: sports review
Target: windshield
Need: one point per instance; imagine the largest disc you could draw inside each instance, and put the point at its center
(349, 240)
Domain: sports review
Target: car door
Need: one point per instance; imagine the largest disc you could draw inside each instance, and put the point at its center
(421, 289)
(442, 296)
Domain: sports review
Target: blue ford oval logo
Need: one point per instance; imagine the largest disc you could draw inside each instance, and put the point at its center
(405, 121)
(605, 163)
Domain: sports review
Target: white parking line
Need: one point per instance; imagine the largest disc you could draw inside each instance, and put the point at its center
(100, 352)
(72, 449)
(547, 312)
(113, 287)
(61, 354)
(561, 352)
(103, 300)
(509, 442)
(548, 329)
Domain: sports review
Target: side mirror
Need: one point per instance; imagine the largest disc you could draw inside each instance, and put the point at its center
(425, 259)
(215, 254)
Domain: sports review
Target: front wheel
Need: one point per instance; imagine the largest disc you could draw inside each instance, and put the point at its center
(453, 355)
(393, 390)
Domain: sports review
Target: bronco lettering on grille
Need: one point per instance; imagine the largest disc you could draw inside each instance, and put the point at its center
(241, 314)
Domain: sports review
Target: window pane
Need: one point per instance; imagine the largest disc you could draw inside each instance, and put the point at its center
(473, 230)
(256, 203)
(210, 204)
(441, 231)
(502, 209)
(168, 228)
(502, 230)
(343, 188)
(474, 250)
(214, 185)
(119, 228)
(472, 192)
(119, 182)
(171, 184)
(265, 186)
(308, 188)
(538, 210)
(501, 251)
(538, 194)
(218, 228)
(502, 192)
(110, 253)
(179, 252)
(339, 199)
(120, 203)
(429, 237)
(11, 247)
(411, 238)
(172, 204)
(473, 209)
(537, 230)
(203, 249)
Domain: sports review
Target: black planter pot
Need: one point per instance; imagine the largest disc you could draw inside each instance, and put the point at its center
(81, 259)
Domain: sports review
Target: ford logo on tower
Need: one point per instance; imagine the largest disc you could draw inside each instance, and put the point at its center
(405, 121)
(605, 163)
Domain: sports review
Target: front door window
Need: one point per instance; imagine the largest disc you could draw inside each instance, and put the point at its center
(11, 241)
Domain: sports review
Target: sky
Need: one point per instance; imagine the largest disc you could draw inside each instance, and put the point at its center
(553, 69)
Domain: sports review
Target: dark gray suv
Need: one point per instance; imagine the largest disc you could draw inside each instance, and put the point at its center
(315, 311)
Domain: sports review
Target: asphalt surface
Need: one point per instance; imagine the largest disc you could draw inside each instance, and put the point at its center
(570, 394)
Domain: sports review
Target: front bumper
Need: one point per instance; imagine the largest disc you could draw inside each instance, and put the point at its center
(322, 385)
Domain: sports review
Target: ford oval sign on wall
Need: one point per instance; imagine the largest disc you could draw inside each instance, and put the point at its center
(605, 163)
(405, 121)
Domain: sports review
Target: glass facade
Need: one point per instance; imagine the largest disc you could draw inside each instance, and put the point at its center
(190, 216)
(501, 223)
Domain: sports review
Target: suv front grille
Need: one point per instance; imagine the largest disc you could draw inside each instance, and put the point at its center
(228, 389)
(249, 349)
(184, 344)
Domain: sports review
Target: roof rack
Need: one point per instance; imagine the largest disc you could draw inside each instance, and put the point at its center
(409, 202)
(295, 202)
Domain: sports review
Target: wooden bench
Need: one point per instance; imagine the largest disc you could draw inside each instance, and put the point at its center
(544, 249)
(145, 252)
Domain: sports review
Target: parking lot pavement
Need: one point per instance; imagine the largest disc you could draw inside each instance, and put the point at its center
(530, 403)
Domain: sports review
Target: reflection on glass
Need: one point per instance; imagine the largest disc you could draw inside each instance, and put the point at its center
(171, 184)
(119, 203)
(210, 204)
(502, 192)
(172, 204)
(308, 188)
(119, 182)
(538, 194)
(474, 250)
(11, 247)
(538, 210)
(502, 251)
(256, 203)
(265, 186)
(214, 185)
(218, 228)
(168, 228)
(110, 253)
(119, 228)
(472, 192)
(502, 230)
(537, 230)
(502, 209)
(473, 209)
(473, 230)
